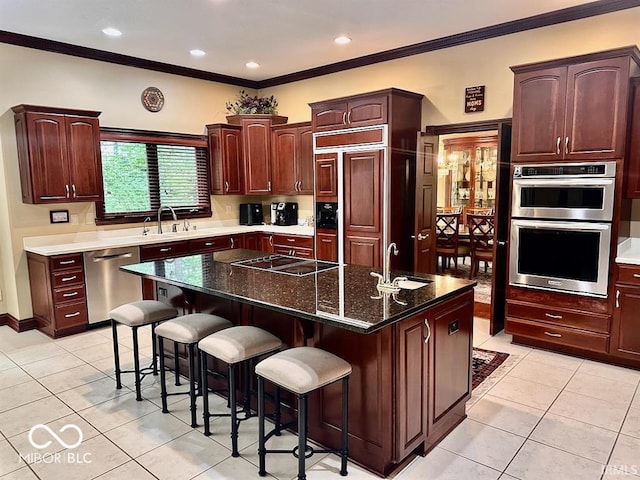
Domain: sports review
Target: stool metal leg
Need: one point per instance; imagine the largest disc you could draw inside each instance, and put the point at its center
(205, 393)
(302, 435)
(116, 352)
(136, 363)
(344, 452)
(163, 377)
(261, 442)
(154, 349)
(176, 362)
(192, 384)
(234, 410)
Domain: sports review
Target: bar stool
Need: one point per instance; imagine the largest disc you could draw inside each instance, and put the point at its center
(189, 330)
(233, 346)
(302, 370)
(136, 315)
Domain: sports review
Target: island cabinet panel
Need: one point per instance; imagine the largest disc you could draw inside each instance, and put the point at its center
(625, 335)
(59, 154)
(225, 156)
(256, 150)
(326, 171)
(358, 111)
(572, 109)
(292, 159)
(58, 296)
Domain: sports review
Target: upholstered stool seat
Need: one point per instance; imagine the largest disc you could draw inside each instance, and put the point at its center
(188, 329)
(136, 315)
(302, 370)
(233, 346)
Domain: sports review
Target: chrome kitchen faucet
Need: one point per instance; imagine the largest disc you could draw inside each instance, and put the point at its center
(173, 212)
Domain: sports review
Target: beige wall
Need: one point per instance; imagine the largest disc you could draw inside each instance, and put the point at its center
(31, 76)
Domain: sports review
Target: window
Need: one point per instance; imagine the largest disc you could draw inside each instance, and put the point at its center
(143, 170)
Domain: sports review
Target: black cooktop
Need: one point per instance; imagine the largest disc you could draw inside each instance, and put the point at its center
(287, 265)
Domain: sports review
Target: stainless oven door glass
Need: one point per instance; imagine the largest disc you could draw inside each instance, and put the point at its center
(561, 256)
(572, 199)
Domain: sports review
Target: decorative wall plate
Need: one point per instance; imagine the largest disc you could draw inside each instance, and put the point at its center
(152, 99)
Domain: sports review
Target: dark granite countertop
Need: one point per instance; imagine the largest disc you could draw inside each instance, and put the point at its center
(344, 296)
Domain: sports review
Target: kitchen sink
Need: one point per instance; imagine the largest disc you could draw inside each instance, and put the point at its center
(287, 265)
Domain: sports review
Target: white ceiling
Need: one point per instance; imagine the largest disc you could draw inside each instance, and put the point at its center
(283, 36)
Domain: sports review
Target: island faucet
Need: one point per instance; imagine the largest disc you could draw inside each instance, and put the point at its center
(173, 212)
(391, 249)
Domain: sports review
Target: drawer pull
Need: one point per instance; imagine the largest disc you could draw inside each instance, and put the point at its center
(551, 315)
(208, 244)
(291, 239)
(556, 335)
(69, 315)
(636, 275)
(73, 294)
(165, 249)
(71, 262)
(68, 279)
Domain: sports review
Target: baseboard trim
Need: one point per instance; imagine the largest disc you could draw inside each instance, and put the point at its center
(17, 325)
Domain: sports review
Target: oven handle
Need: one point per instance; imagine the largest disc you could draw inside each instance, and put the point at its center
(564, 182)
(552, 225)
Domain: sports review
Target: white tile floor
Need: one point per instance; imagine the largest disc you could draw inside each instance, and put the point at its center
(542, 416)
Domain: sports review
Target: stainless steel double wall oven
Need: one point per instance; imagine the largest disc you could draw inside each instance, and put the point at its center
(561, 226)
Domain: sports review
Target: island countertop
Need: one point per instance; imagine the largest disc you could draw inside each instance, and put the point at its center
(345, 296)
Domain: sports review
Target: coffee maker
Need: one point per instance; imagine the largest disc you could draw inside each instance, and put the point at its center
(286, 213)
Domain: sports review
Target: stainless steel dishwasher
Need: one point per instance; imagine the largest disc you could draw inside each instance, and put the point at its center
(107, 286)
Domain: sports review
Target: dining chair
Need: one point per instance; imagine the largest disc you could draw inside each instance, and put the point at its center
(481, 240)
(448, 244)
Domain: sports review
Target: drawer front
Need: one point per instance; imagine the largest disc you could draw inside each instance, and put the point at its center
(71, 314)
(65, 262)
(629, 274)
(293, 241)
(163, 250)
(68, 277)
(560, 316)
(71, 294)
(569, 337)
(211, 244)
(294, 252)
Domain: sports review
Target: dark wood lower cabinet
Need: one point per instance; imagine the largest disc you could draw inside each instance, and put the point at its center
(409, 384)
(625, 333)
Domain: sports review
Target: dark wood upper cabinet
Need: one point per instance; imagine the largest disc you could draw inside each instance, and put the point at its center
(573, 109)
(357, 111)
(632, 160)
(225, 153)
(292, 159)
(256, 150)
(58, 154)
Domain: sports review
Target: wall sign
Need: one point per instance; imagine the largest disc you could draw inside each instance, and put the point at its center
(474, 99)
(59, 216)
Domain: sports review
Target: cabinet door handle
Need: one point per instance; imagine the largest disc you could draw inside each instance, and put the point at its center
(271, 240)
(67, 262)
(163, 250)
(426, 324)
(66, 189)
(69, 315)
(68, 279)
(232, 242)
(349, 118)
(226, 186)
(73, 188)
(73, 294)
(558, 146)
(549, 334)
(423, 237)
(566, 145)
(551, 315)
(344, 118)
(269, 185)
(617, 298)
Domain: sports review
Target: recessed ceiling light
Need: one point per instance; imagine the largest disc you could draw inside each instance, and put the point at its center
(196, 52)
(252, 64)
(112, 32)
(342, 40)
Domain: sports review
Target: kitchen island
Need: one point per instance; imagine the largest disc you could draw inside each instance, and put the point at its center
(410, 351)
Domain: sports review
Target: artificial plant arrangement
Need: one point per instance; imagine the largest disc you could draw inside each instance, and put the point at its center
(246, 104)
